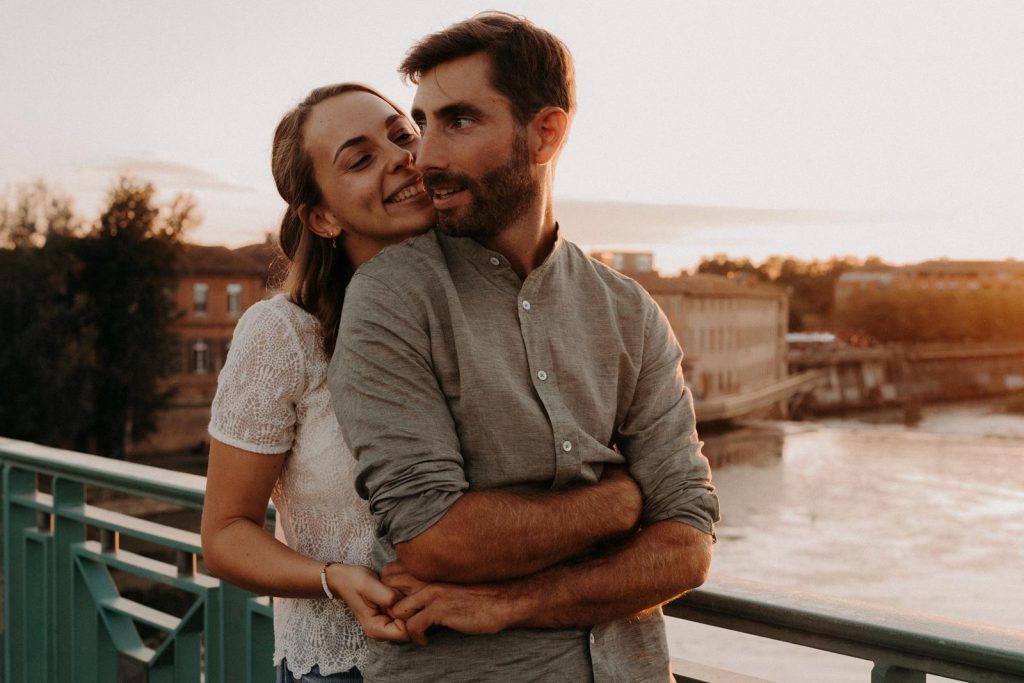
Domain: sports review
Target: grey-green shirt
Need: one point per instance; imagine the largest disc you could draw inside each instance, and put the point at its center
(452, 374)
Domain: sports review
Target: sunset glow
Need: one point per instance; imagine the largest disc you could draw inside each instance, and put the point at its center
(843, 127)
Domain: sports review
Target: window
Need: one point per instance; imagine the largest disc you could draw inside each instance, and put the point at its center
(234, 299)
(200, 291)
(199, 358)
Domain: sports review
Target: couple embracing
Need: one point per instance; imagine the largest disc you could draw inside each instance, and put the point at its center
(478, 439)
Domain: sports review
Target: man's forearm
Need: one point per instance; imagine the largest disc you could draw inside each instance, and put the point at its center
(658, 564)
(495, 535)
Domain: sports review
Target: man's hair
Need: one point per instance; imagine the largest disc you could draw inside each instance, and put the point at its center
(529, 66)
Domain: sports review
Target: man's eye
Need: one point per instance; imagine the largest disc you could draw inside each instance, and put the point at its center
(421, 125)
(461, 122)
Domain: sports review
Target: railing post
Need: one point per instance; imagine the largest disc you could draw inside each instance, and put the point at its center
(66, 532)
(887, 673)
(17, 520)
(227, 608)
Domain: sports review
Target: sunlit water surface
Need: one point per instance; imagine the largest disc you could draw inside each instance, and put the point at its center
(929, 519)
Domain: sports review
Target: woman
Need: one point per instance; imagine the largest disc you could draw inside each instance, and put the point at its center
(343, 161)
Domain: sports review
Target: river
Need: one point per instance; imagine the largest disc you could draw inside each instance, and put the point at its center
(928, 518)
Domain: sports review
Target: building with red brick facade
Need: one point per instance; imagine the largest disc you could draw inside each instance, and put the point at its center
(217, 285)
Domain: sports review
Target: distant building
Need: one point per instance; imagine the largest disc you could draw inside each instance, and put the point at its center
(733, 333)
(217, 285)
(938, 275)
(626, 261)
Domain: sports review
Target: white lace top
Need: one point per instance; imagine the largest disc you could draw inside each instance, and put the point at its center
(272, 398)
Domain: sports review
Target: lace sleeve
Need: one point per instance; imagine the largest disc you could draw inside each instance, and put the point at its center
(260, 384)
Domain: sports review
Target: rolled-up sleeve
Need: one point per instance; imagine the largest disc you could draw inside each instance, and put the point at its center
(393, 413)
(659, 436)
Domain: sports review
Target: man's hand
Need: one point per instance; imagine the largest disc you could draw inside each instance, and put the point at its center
(395, 575)
(478, 609)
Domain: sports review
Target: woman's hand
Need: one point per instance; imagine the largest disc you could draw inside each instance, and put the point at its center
(369, 599)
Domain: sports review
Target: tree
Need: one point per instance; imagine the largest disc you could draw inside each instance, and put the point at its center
(128, 277)
(86, 317)
(33, 213)
(810, 284)
(726, 266)
(41, 358)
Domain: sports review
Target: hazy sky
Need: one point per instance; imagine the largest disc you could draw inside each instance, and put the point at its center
(913, 111)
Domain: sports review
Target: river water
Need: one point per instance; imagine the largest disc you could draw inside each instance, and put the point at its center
(929, 518)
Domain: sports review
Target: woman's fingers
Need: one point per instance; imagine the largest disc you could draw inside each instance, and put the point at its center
(383, 627)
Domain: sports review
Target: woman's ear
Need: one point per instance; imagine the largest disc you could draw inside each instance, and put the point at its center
(320, 220)
(548, 132)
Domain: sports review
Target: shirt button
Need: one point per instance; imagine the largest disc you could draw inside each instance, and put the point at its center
(495, 261)
(567, 446)
(592, 639)
(542, 375)
(526, 305)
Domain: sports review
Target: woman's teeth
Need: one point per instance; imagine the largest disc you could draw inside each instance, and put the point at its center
(407, 193)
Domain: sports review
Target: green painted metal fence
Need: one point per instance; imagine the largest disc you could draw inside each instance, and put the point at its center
(64, 618)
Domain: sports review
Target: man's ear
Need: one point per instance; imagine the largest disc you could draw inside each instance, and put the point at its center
(549, 131)
(320, 220)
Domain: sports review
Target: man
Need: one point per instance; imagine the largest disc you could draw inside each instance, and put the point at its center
(488, 375)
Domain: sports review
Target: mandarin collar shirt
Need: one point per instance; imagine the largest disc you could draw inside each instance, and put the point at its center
(452, 374)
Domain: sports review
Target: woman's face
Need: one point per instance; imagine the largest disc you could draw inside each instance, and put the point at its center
(363, 152)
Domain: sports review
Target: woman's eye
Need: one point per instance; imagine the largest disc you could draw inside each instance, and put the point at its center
(405, 137)
(362, 161)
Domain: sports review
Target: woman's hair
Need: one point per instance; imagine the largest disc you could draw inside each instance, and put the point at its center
(319, 269)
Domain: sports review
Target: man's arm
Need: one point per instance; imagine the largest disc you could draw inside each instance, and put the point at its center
(492, 535)
(396, 420)
(658, 564)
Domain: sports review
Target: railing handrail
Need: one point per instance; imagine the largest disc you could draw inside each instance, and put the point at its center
(850, 627)
(179, 488)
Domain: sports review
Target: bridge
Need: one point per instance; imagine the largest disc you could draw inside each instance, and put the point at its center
(65, 617)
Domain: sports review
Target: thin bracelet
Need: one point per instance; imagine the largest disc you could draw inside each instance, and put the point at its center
(323, 580)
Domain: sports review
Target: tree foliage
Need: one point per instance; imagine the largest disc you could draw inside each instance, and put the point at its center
(86, 314)
(927, 315)
(33, 212)
(810, 284)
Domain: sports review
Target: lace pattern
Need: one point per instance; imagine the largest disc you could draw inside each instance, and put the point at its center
(272, 398)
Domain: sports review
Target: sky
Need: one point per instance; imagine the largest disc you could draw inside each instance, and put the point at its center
(811, 128)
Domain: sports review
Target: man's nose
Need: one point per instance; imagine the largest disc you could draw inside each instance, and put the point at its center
(431, 154)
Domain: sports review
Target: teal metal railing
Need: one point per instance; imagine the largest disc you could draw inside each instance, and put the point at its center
(903, 646)
(65, 619)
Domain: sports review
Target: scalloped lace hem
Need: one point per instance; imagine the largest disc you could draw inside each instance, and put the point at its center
(301, 668)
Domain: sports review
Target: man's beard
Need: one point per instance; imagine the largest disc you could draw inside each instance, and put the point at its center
(499, 197)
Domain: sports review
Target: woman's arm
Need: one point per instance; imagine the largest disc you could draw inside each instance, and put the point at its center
(238, 548)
